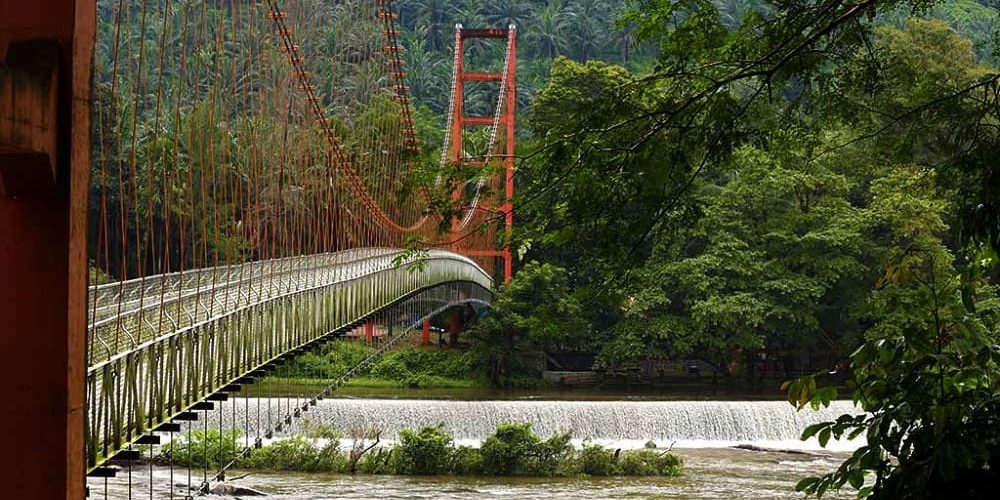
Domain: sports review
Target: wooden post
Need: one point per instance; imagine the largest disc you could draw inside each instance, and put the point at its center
(46, 53)
(425, 337)
(454, 328)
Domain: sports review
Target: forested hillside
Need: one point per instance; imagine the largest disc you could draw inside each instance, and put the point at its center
(582, 30)
(628, 191)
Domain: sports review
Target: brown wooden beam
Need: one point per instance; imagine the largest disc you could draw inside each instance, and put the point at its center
(47, 48)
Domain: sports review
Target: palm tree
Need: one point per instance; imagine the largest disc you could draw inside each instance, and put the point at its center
(433, 17)
(501, 13)
(427, 73)
(592, 26)
(548, 32)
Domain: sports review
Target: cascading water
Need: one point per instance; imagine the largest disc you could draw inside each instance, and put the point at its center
(626, 424)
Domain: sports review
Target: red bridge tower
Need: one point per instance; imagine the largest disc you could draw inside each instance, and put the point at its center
(502, 143)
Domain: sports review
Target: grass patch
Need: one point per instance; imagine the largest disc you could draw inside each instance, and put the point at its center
(370, 382)
(409, 367)
(415, 382)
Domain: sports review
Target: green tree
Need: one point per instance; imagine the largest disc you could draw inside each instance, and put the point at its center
(423, 451)
(536, 310)
(514, 450)
(746, 277)
(927, 375)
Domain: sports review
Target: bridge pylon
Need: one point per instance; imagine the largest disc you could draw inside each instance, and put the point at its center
(501, 148)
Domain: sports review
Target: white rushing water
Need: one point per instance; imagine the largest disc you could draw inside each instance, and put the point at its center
(625, 424)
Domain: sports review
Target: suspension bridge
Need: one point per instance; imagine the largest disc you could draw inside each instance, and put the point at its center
(194, 193)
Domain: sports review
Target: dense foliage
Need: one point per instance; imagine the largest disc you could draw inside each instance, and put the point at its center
(744, 213)
(535, 311)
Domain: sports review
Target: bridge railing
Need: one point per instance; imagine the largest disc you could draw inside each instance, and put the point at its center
(126, 314)
(149, 380)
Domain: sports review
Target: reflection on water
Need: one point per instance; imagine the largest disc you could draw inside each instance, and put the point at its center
(709, 474)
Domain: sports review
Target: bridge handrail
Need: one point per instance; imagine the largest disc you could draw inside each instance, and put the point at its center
(228, 284)
(94, 368)
(135, 391)
(336, 262)
(135, 283)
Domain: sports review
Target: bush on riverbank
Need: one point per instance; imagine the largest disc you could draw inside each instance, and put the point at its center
(297, 454)
(513, 450)
(407, 367)
(424, 451)
(198, 447)
(650, 463)
(414, 367)
(331, 361)
(516, 451)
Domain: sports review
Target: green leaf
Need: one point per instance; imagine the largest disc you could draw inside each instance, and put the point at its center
(808, 484)
(811, 430)
(857, 478)
(824, 436)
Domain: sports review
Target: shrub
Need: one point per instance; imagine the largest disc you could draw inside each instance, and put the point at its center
(200, 448)
(650, 463)
(670, 464)
(424, 451)
(331, 459)
(504, 451)
(390, 367)
(548, 455)
(378, 461)
(571, 465)
(331, 361)
(410, 364)
(292, 454)
(515, 450)
(597, 460)
(466, 461)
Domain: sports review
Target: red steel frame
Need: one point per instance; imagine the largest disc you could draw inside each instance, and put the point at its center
(461, 121)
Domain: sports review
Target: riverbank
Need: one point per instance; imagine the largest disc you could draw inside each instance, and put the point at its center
(429, 372)
(408, 367)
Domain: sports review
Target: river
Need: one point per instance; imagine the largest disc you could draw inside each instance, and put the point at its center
(714, 473)
(702, 432)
